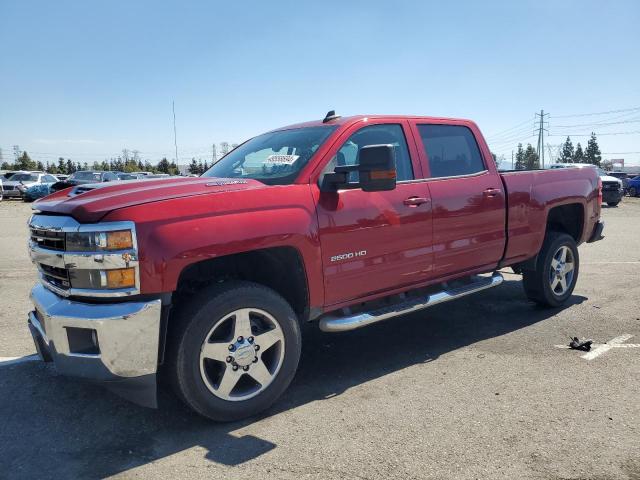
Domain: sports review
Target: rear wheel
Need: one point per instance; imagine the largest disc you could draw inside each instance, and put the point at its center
(633, 192)
(613, 204)
(235, 350)
(552, 282)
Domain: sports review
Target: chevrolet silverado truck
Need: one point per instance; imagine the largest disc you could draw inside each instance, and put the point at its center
(343, 222)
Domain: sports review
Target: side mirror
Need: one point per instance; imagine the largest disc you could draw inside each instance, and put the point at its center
(377, 168)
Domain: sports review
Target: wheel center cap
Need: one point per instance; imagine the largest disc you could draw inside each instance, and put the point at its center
(244, 354)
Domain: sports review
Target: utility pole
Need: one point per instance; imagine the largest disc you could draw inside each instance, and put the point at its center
(214, 154)
(16, 152)
(511, 159)
(175, 137)
(1, 157)
(541, 130)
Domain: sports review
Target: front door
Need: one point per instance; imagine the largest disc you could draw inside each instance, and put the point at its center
(375, 241)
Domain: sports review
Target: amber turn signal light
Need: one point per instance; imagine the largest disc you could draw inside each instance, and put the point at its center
(121, 278)
(119, 240)
(382, 175)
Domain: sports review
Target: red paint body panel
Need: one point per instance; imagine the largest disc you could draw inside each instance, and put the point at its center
(458, 230)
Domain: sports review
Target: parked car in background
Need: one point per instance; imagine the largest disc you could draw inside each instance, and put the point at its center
(83, 177)
(612, 188)
(623, 177)
(157, 175)
(36, 191)
(131, 176)
(634, 186)
(1, 190)
(20, 181)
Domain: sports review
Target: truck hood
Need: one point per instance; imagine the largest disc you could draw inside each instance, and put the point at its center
(92, 205)
(607, 178)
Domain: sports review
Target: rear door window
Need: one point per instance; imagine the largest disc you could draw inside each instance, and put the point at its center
(452, 150)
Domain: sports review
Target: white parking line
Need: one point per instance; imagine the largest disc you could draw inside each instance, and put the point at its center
(6, 361)
(600, 348)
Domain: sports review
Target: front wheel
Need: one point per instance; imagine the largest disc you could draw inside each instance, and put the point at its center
(234, 351)
(613, 204)
(556, 273)
(633, 192)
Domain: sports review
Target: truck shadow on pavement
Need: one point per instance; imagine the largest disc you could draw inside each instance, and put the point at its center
(55, 427)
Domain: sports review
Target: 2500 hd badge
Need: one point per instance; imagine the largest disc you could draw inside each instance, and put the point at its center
(347, 256)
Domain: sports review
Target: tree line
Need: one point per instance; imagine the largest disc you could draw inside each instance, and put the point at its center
(590, 155)
(528, 158)
(126, 163)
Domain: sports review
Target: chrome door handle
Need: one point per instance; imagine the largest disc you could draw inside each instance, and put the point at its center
(415, 201)
(491, 192)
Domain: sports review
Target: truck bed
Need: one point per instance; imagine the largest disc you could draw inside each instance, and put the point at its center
(532, 194)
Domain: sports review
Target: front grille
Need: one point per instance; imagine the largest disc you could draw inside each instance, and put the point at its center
(58, 277)
(48, 239)
(610, 186)
(6, 188)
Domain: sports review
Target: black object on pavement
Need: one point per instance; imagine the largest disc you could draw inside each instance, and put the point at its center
(578, 345)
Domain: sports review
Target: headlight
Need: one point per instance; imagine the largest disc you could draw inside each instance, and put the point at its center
(99, 241)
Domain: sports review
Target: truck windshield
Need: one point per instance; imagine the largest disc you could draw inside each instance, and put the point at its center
(274, 158)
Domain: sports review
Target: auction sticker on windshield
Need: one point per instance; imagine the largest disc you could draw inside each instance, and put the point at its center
(280, 159)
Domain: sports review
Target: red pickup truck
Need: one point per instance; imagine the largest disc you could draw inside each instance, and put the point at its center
(343, 222)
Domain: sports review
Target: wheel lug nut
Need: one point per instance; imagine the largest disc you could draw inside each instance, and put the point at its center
(232, 347)
(245, 368)
(229, 359)
(234, 368)
(257, 347)
(240, 339)
(255, 359)
(250, 339)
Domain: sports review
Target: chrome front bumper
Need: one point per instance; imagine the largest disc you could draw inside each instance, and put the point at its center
(115, 343)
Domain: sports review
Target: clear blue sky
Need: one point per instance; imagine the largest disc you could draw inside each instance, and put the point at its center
(86, 79)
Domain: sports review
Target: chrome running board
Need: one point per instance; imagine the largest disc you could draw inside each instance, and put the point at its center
(340, 323)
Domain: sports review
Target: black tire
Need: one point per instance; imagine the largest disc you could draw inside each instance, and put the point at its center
(633, 192)
(191, 326)
(536, 282)
(613, 204)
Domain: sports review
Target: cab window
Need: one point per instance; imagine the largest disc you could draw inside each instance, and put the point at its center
(384, 134)
(452, 150)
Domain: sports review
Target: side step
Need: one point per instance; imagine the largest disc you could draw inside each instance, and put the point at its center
(337, 323)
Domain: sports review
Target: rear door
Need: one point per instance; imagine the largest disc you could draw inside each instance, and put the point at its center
(373, 242)
(467, 196)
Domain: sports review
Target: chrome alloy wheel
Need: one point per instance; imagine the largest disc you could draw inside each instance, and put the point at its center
(561, 271)
(242, 354)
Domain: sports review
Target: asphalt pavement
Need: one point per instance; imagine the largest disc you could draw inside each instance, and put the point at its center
(477, 388)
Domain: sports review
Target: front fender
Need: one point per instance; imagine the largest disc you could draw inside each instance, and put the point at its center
(176, 233)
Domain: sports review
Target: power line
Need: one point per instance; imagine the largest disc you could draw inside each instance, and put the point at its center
(596, 113)
(600, 124)
(498, 134)
(633, 132)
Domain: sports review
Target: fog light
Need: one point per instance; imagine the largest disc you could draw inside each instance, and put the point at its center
(121, 278)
